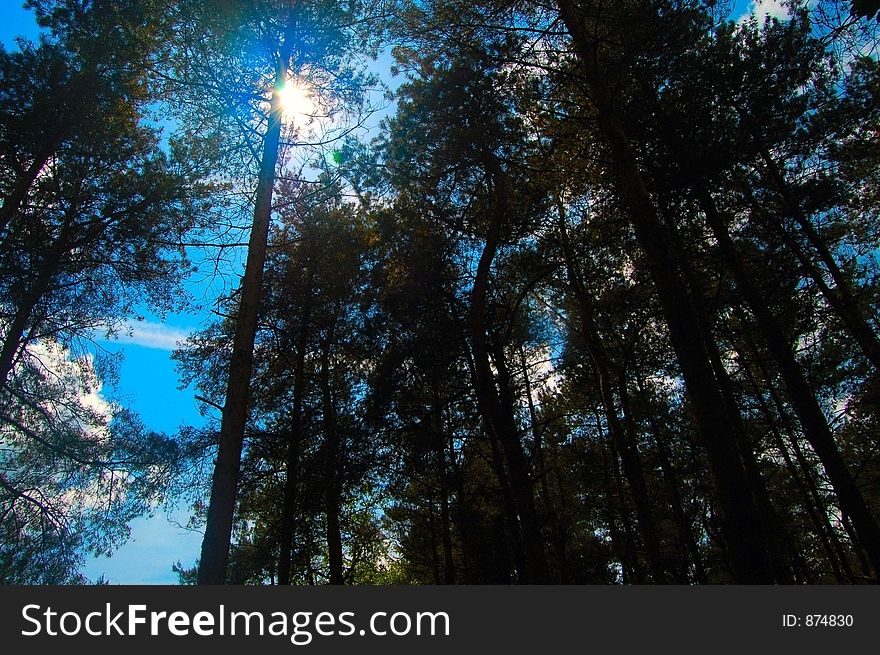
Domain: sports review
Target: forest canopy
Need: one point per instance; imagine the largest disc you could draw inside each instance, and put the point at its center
(594, 302)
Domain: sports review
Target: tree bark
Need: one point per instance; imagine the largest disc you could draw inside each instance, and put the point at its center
(440, 455)
(508, 503)
(15, 337)
(82, 86)
(13, 202)
(558, 539)
(682, 524)
(774, 533)
(840, 298)
(624, 441)
(816, 506)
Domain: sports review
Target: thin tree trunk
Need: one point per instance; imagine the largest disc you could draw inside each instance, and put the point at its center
(622, 541)
(808, 471)
(860, 553)
(632, 553)
(435, 558)
(624, 442)
(519, 470)
(549, 511)
(227, 467)
(288, 510)
(809, 497)
(463, 526)
(445, 521)
(683, 525)
(496, 406)
(508, 503)
(440, 455)
(332, 466)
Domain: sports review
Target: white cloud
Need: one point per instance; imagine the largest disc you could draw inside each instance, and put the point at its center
(78, 374)
(151, 335)
(762, 9)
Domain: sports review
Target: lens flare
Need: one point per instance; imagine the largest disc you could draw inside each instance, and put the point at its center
(298, 103)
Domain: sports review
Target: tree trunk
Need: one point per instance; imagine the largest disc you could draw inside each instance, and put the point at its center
(83, 85)
(227, 467)
(552, 518)
(750, 562)
(519, 469)
(440, 455)
(683, 525)
(639, 574)
(13, 202)
(617, 514)
(816, 506)
(332, 466)
(840, 297)
(435, 558)
(624, 442)
(508, 503)
(810, 498)
(496, 405)
(459, 511)
(288, 510)
(800, 394)
(775, 535)
(15, 337)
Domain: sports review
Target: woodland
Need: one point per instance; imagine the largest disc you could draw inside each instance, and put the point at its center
(563, 292)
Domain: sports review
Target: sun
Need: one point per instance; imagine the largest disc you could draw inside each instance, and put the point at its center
(298, 102)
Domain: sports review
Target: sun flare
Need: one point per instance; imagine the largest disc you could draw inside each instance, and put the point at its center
(298, 102)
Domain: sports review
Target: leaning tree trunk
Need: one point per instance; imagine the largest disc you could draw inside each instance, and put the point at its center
(841, 297)
(227, 467)
(84, 85)
(13, 202)
(775, 535)
(811, 501)
(741, 525)
(23, 320)
(799, 393)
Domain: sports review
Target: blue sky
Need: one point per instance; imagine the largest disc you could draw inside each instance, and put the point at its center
(149, 385)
